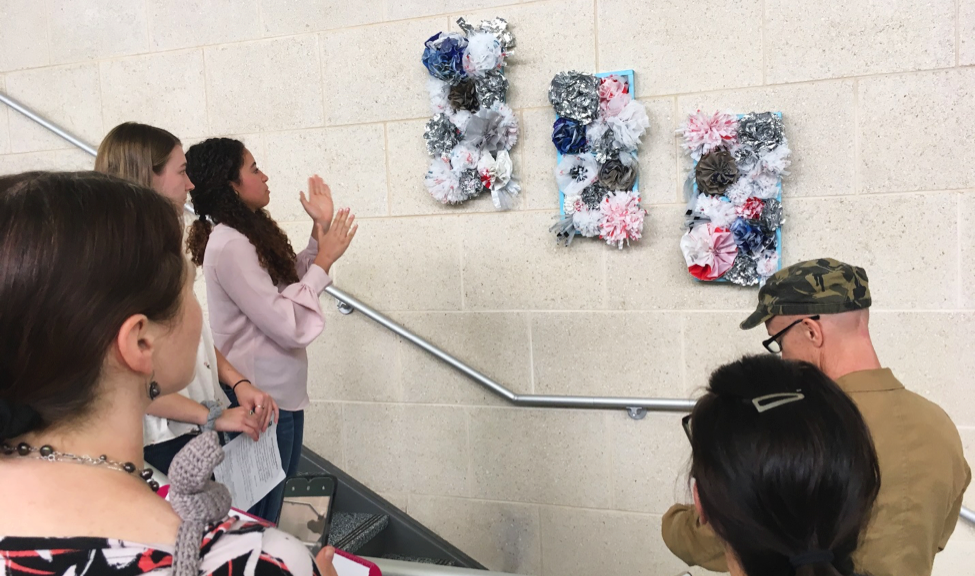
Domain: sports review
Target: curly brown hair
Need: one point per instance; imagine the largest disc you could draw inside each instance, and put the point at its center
(212, 165)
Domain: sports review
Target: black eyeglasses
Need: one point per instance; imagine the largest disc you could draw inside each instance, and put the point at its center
(772, 344)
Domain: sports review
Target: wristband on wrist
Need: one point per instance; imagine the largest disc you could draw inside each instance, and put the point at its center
(239, 382)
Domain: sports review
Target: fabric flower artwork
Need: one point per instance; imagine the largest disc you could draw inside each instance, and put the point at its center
(472, 129)
(715, 172)
(622, 217)
(734, 191)
(709, 251)
(569, 136)
(705, 133)
(575, 173)
(614, 95)
(443, 56)
(597, 132)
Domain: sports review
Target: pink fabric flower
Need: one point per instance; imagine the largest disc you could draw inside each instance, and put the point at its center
(709, 251)
(621, 218)
(705, 133)
(751, 209)
(614, 95)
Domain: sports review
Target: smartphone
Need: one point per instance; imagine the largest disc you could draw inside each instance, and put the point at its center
(306, 510)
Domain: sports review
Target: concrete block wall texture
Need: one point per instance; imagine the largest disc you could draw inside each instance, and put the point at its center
(877, 99)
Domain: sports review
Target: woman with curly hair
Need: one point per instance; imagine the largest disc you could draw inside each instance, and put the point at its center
(263, 299)
(153, 158)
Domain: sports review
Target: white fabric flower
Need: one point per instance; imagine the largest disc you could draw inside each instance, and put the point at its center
(439, 92)
(775, 162)
(576, 172)
(587, 221)
(629, 125)
(443, 183)
(483, 54)
(767, 263)
(463, 157)
(572, 203)
(496, 174)
(719, 212)
(460, 119)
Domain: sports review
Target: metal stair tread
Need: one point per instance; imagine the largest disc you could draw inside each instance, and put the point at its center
(418, 560)
(350, 532)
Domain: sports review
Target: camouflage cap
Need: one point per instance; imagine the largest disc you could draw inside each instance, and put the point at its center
(822, 286)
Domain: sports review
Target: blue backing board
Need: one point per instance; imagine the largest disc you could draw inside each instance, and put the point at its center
(628, 74)
(778, 233)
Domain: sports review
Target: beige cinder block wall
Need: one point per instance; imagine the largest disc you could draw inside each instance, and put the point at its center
(878, 106)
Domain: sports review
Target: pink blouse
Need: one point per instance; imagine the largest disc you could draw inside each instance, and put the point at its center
(261, 328)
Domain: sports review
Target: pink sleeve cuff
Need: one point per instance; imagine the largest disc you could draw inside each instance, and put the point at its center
(316, 278)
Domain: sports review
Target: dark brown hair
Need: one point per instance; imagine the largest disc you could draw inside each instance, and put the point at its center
(135, 152)
(79, 254)
(212, 165)
(796, 479)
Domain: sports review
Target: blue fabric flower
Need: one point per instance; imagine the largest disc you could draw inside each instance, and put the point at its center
(444, 55)
(569, 136)
(748, 237)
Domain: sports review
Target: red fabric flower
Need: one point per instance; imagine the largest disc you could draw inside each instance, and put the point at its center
(751, 209)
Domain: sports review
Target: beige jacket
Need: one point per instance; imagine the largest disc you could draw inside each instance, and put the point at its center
(923, 478)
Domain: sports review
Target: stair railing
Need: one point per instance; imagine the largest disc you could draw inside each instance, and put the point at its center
(347, 304)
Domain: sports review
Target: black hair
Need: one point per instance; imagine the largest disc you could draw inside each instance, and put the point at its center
(212, 165)
(795, 479)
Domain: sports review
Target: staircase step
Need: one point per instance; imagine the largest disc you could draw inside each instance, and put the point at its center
(418, 560)
(350, 532)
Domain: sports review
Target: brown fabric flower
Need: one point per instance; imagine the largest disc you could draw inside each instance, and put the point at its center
(715, 172)
(463, 96)
(617, 176)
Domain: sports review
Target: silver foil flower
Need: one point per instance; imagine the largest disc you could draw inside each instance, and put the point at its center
(771, 219)
(496, 26)
(575, 95)
(441, 135)
(760, 130)
(491, 88)
(744, 272)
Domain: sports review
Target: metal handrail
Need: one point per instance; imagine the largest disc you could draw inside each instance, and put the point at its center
(188, 208)
(636, 407)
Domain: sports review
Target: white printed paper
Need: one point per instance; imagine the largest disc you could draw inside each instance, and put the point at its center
(250, 470)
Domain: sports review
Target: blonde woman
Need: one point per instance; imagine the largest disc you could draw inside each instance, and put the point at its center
(154, 158)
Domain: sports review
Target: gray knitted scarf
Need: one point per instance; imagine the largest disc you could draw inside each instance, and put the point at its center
(197, 499)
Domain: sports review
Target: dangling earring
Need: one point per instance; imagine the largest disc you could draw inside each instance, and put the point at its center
(154, 390)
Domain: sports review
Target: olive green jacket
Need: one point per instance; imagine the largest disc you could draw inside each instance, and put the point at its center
(923, 478)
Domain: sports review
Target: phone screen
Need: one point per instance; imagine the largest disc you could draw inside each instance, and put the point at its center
(305, 510)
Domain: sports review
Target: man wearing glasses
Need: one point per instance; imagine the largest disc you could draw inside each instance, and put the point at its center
(818, 312)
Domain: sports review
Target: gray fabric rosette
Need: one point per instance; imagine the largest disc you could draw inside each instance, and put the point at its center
(715, 172)
(617, 175)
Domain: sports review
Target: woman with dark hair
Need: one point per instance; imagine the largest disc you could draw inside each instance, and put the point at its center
(262, 298)
(98, 319)
(784, 468)
(154, 158)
